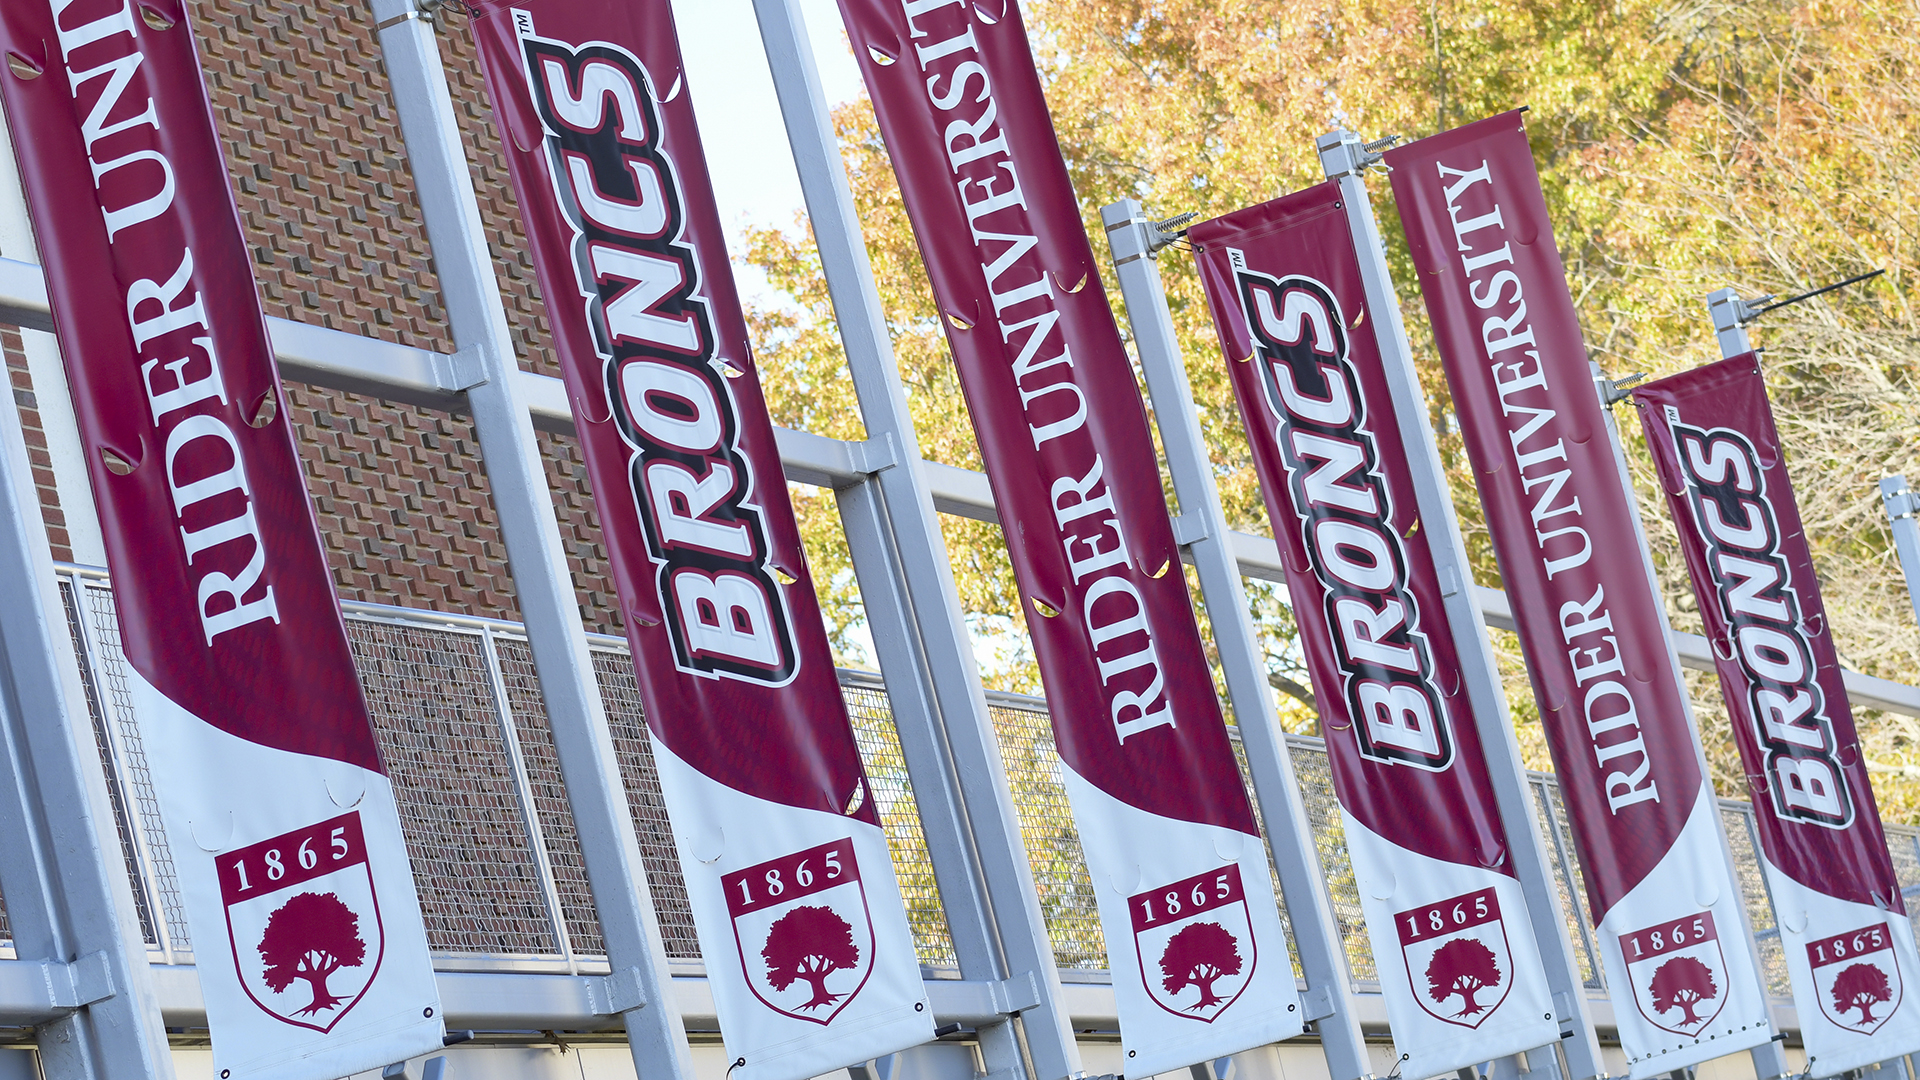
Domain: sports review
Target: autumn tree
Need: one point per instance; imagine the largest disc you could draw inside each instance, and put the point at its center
(1681, 147)
(1462, 967)
(1682, 983)
(1199, 955)
(310, 937)
(808, 944)
(1861, 986)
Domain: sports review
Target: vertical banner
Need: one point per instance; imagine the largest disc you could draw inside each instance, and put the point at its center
(1200, 966)
(1446, 916)
(800, 918)
(1843, 923)
(306, 930)
(1644, 819)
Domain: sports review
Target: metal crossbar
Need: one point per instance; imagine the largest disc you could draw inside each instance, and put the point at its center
(463, 729)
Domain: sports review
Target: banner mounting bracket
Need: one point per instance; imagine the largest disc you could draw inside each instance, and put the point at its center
(460, 371)
(84, 982)
(618, 993)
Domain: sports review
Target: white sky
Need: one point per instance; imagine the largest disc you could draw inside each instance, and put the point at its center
(746, 142)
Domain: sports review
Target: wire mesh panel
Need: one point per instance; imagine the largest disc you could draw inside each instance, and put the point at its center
(1566, 878)
(1903, 844)
(133, 780)
(621, 697)
(1052, 842)
(1330, 841)
(1738, 820)
(116, 796)
(542, 763)
(439, 728)
(873, 728)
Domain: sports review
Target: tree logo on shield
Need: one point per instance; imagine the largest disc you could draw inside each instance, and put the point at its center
(1677, 972)
(1856, 977)
(1194, 941)
(303, 921)
(1457, 949)
(801, 926)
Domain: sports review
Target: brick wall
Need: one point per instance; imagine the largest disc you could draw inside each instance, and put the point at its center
(20, 386)
(320, 175)
(319, 171)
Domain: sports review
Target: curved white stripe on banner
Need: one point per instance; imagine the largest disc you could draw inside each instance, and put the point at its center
(318, 840)
(1855, 976)
(1679, 940)
(823, 970)
(1457, 962)
(1198, 958)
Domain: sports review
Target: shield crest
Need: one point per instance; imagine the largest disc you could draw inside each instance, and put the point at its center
(303, 921)
(1678, 973)
(1856, 977)
(803, 931)
(1194, 942)
(1457, 956)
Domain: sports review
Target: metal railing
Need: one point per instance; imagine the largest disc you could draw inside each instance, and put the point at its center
(502, 884)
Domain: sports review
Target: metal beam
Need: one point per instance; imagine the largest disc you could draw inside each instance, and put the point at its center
(338, 360)
(1903, 518)
(69, 902)
(485, 367)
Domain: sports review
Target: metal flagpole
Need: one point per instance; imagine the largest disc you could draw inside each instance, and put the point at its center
(1345, 157)
(906, 584)
(69, 902)
(1903, 517)
(639, 989)
(1201, 528)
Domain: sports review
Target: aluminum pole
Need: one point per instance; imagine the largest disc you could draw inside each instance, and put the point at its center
(639, 988)
(1201, 526)
(1730, 318)
(906, 582)
(1903, 517)
(1344, 156)
(69, 902)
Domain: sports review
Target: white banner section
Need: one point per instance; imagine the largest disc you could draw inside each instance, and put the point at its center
(1196, 898)
(1680, 939)
(299, 897)
(808, 900)
(1460, 939)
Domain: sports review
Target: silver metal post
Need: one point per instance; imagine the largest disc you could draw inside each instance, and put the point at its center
(1730, 318)
(1769, 1060)
(639, 988)
(69, 902)
(906, 582)
(1344, 156)
(1201, 526)
(1903, 517)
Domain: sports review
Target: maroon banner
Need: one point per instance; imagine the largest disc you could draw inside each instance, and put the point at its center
(1718, 453)
(1054, 403)
(729, 647)
(1575, 568)
(1562, 528)
(223, 591)
(799, 914)
(1845, 937)
(1284, 286)
(242, 681)
(1423, 827)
